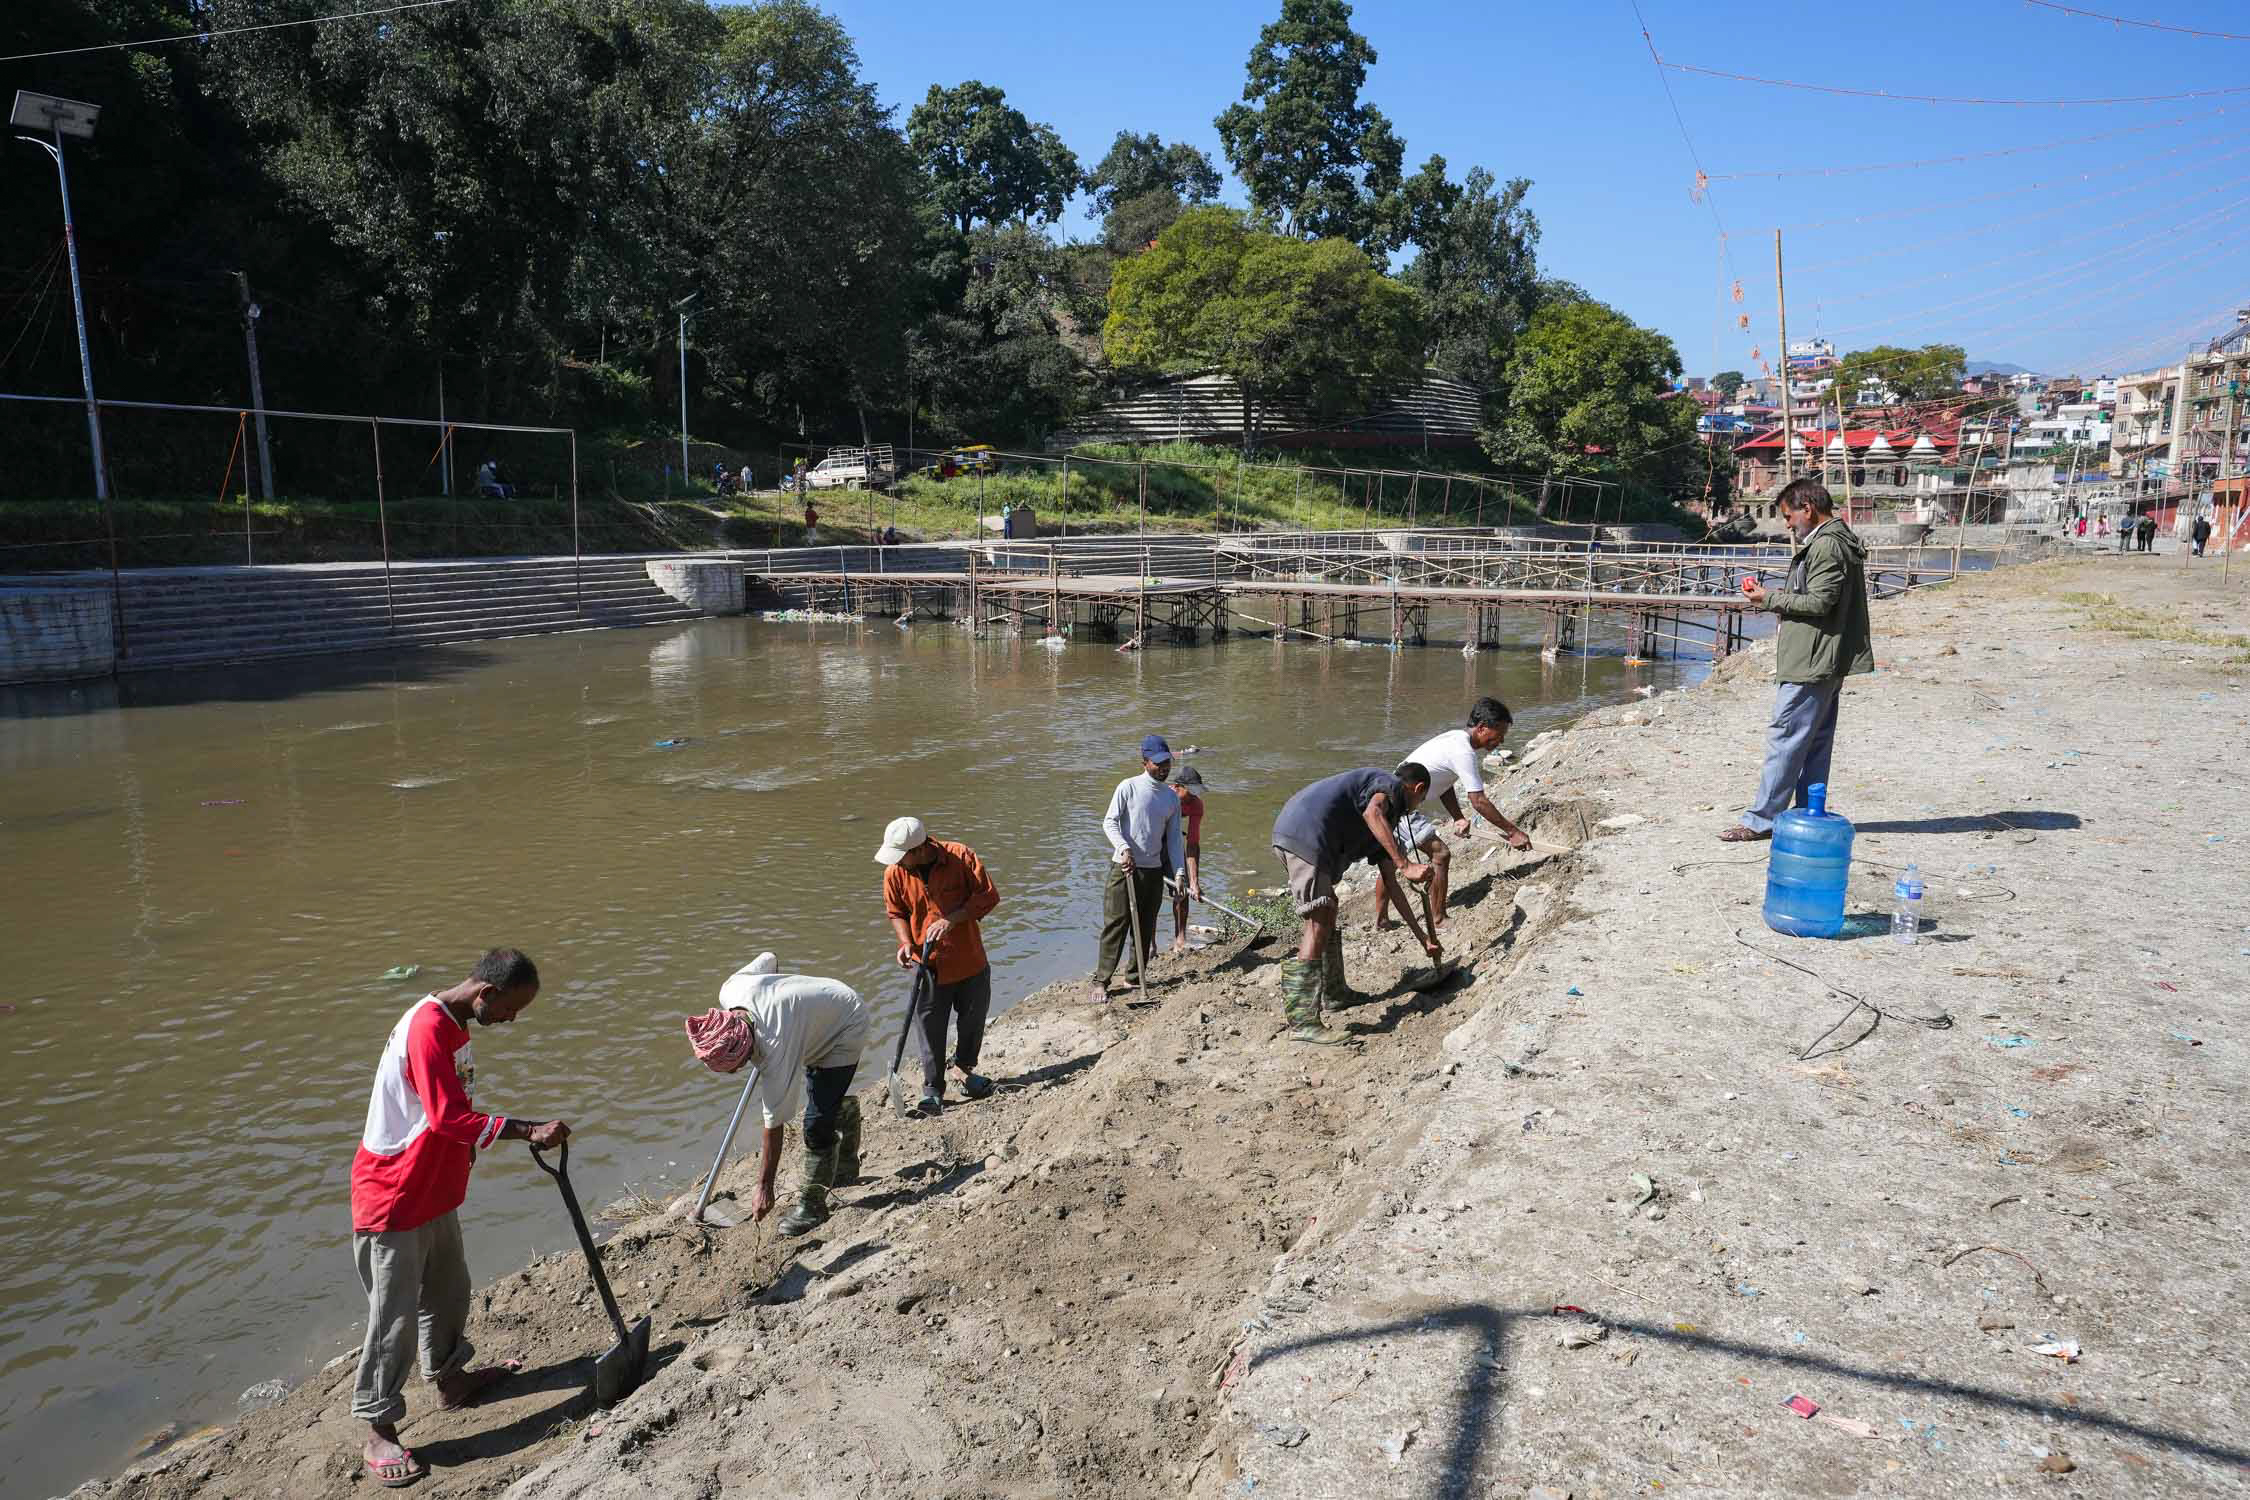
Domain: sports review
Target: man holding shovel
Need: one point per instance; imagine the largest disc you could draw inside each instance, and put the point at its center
(936, 893)
(804, 1035)
(408, 1179)
(1453, 761)
(1143, 829)
(1323, 831)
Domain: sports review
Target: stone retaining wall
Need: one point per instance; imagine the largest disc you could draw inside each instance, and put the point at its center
(55, 632)
(709, 588)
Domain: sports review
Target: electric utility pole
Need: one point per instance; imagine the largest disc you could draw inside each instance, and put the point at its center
(250, 314)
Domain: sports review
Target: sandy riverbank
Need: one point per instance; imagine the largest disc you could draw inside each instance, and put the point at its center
(1174, 1256)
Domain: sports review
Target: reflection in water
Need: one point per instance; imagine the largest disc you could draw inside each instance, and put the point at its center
(227, 863)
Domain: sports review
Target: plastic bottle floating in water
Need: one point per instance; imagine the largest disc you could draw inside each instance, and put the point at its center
(1808, 870)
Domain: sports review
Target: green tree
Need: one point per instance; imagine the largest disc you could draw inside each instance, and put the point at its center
(1310, 320)
(985, 161)
(1921, 374)
(1590, 392)
(990, 361)
(1138, 164)
(1475, 267)
(1318, 162)
(1727, 382)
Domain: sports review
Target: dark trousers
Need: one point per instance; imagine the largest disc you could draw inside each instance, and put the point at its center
(967, 1002)
(825, 1092)
(1117, 917)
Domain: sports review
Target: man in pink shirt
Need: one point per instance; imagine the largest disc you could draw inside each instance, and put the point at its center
(409, 1178)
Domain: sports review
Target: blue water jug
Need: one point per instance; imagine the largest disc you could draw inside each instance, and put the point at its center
(1812, 860)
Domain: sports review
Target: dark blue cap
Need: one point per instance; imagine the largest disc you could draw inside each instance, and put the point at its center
(1154, 748)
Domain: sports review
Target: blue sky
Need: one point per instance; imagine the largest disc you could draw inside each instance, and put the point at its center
(2097, 254)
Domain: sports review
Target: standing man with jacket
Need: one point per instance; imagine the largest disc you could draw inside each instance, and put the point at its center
(937, 892)
(1145, 840)
(409, 1178)
(1824, 638)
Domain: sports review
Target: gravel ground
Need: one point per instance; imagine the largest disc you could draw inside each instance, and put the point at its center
(1660, 1122)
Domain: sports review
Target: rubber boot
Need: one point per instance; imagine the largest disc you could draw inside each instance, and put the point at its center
(812, 1198)
(1334, 993)
(1300, 1004)
(847, 1143)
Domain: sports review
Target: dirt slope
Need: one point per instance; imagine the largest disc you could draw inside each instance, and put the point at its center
(1036, 1295)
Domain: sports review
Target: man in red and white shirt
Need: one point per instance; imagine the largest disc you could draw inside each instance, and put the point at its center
(410, 1175)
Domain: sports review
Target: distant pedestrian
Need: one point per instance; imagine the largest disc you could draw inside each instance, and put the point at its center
(744, 479)
(2200, 533)
(1147, 843)
(1453, 761)
(812, 519)
(1824, 638)
(2148, 533)
(2126, 528)
(2081, 528)
(938, 893)
(1323, 831)
(1189, 784)
(2101, 527)
(408, 1181)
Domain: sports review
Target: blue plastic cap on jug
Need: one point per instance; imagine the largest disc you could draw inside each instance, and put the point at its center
(1816, 798)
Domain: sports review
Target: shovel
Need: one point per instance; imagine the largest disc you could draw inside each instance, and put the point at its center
(720, 1218)
(891, 1089)
(1133, 909)
(618, 1371)
(1249, 922)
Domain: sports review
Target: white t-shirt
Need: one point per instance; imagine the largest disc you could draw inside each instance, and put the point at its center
(1449, 758)
(799, 1021)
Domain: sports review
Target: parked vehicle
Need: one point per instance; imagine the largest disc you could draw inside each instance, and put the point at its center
(971, 458)
(854, 469)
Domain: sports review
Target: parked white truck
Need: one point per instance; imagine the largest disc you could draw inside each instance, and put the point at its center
(854, 469)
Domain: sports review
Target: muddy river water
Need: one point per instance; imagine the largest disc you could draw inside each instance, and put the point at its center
(209, 874)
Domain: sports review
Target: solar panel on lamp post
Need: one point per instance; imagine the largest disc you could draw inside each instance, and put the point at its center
(59, 118)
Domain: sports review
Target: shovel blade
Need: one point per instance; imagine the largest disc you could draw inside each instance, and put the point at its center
(617, 1373)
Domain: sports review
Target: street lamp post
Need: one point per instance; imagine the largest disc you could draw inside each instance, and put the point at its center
(60, 118)
(681, 307)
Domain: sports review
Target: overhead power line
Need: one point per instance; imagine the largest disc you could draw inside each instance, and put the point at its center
(2095, 15)
(1829, 88)
(205, 36)
(1949, 161)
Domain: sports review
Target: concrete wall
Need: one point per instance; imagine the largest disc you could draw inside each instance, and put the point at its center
(54, 632)
(709, 588)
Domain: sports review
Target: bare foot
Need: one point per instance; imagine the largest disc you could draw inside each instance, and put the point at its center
(463, 1387)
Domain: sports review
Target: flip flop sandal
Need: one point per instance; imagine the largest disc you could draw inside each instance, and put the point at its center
(416, 1469)
(1740, 835)
(976, 1086)
(929, 1107)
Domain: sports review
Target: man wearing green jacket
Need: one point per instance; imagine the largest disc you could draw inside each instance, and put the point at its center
(1824, 639)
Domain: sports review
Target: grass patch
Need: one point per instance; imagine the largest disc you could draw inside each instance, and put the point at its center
(2104, 612)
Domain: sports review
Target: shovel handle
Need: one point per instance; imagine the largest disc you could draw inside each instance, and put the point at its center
(561, 1173)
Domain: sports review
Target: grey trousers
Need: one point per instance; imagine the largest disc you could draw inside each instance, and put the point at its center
(1798, 743)
(965, 1001)
(417, 1283)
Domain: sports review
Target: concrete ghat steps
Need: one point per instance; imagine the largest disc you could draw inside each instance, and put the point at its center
(194, 618)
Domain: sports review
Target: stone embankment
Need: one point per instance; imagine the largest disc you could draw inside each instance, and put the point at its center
(1582, 1222)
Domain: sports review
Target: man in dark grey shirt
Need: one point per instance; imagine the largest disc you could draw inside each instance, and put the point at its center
(1323, 831)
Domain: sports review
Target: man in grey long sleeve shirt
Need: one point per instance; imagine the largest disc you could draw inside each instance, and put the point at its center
(1143, 828)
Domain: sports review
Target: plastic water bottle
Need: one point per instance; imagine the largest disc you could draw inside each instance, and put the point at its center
(1906, 915)
(1807, 872)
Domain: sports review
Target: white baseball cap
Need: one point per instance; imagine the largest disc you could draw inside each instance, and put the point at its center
(902, 834)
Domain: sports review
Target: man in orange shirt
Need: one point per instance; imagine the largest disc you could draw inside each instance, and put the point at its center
(936, 892)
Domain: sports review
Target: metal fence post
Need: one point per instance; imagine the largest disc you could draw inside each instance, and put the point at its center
(577, 552)
(383, 524)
